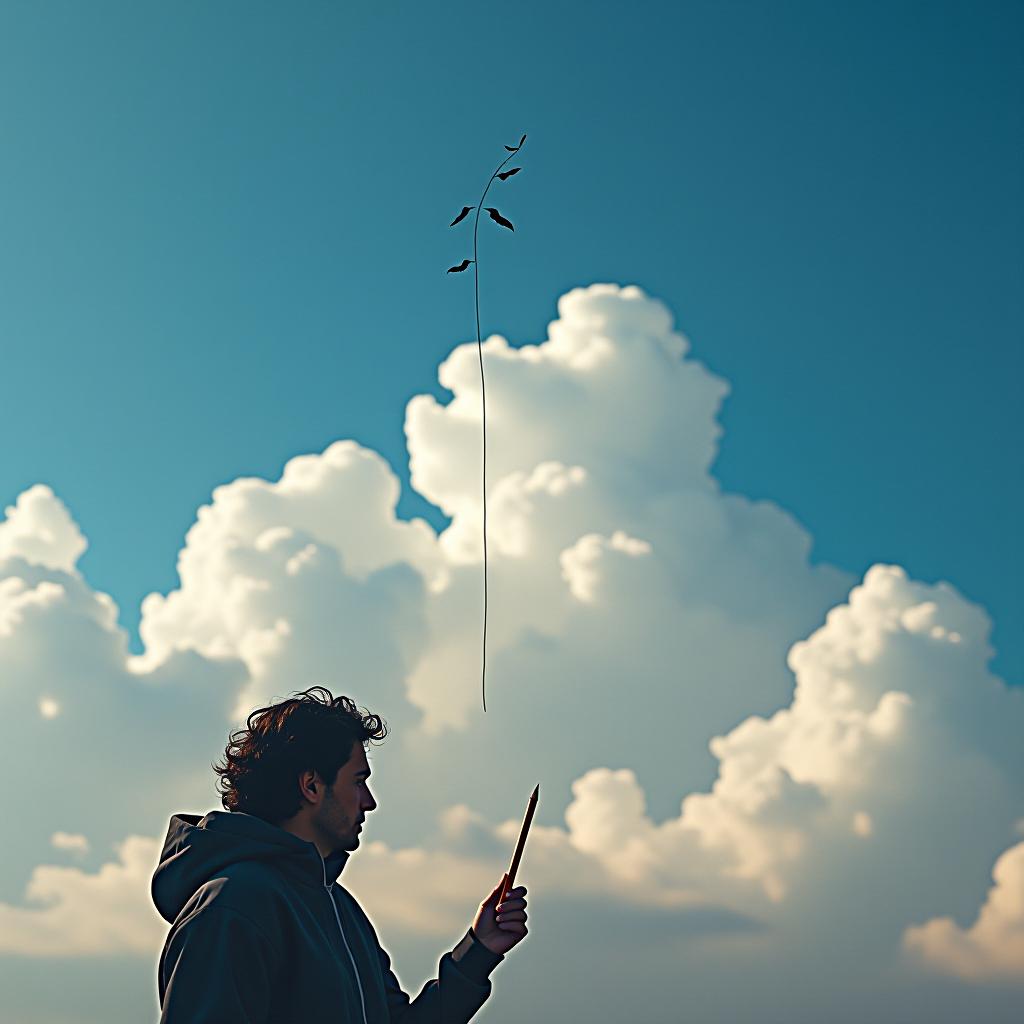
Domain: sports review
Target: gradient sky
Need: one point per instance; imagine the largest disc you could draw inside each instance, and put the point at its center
(224, 230)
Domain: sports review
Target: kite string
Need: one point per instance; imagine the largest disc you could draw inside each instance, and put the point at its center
(483, 399)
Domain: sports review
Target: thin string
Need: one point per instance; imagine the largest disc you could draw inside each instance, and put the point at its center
(498, 219)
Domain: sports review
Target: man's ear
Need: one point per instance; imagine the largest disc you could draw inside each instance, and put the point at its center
(312, 782)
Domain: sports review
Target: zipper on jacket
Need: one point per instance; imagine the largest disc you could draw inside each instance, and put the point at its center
(337, 918)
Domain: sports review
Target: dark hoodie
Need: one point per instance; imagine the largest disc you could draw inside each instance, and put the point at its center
(262, 933)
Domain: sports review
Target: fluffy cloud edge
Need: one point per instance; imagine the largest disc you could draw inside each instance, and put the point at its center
(74, 913)
(992, 948)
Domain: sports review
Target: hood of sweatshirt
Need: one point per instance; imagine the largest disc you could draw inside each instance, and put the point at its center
(197, 848)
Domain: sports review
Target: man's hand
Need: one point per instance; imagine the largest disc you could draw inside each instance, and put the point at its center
(500, 927)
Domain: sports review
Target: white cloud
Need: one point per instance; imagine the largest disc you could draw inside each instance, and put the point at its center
(608, 391)
(270, 570)
(992, 948)
(87, 914)
(48, 707)
(97, 747)
(862, 824)
(732, 735)
(604, 430)
(880, 734)
(38, 528)
(67, 841)
(589, 565)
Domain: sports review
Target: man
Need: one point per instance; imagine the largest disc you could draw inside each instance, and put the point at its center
(262, 932)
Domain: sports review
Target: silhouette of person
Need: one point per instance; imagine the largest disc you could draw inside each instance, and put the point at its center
(261, 928)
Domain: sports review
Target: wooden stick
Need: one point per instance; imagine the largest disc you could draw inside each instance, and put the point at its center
(523, 833)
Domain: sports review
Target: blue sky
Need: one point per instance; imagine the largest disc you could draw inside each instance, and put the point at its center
(224, 231)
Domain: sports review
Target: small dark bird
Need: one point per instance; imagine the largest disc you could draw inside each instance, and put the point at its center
(465, 210)
(497, 218)
(460, 267)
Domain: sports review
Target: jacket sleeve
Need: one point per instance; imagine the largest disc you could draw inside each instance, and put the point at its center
(217, 968)
(462, 986)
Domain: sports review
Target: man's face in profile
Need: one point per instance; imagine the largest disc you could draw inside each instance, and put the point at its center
(346, 803)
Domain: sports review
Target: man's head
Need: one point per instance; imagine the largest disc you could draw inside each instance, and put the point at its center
(331, 816)
(301, 765)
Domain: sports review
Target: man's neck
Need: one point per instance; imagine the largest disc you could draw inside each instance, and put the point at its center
(299, 826)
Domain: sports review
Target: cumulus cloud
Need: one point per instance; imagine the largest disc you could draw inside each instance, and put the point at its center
(878, 763)
(39, 529)
(270, 571)
(585, 566)
(96, 744)
(992, 948)
(734, 742)
(66, 841)
(85, 914)
(894, 751)
(603, 432)
(609, 390)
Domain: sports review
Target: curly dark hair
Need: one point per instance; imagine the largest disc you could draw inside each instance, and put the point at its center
(311, 731)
